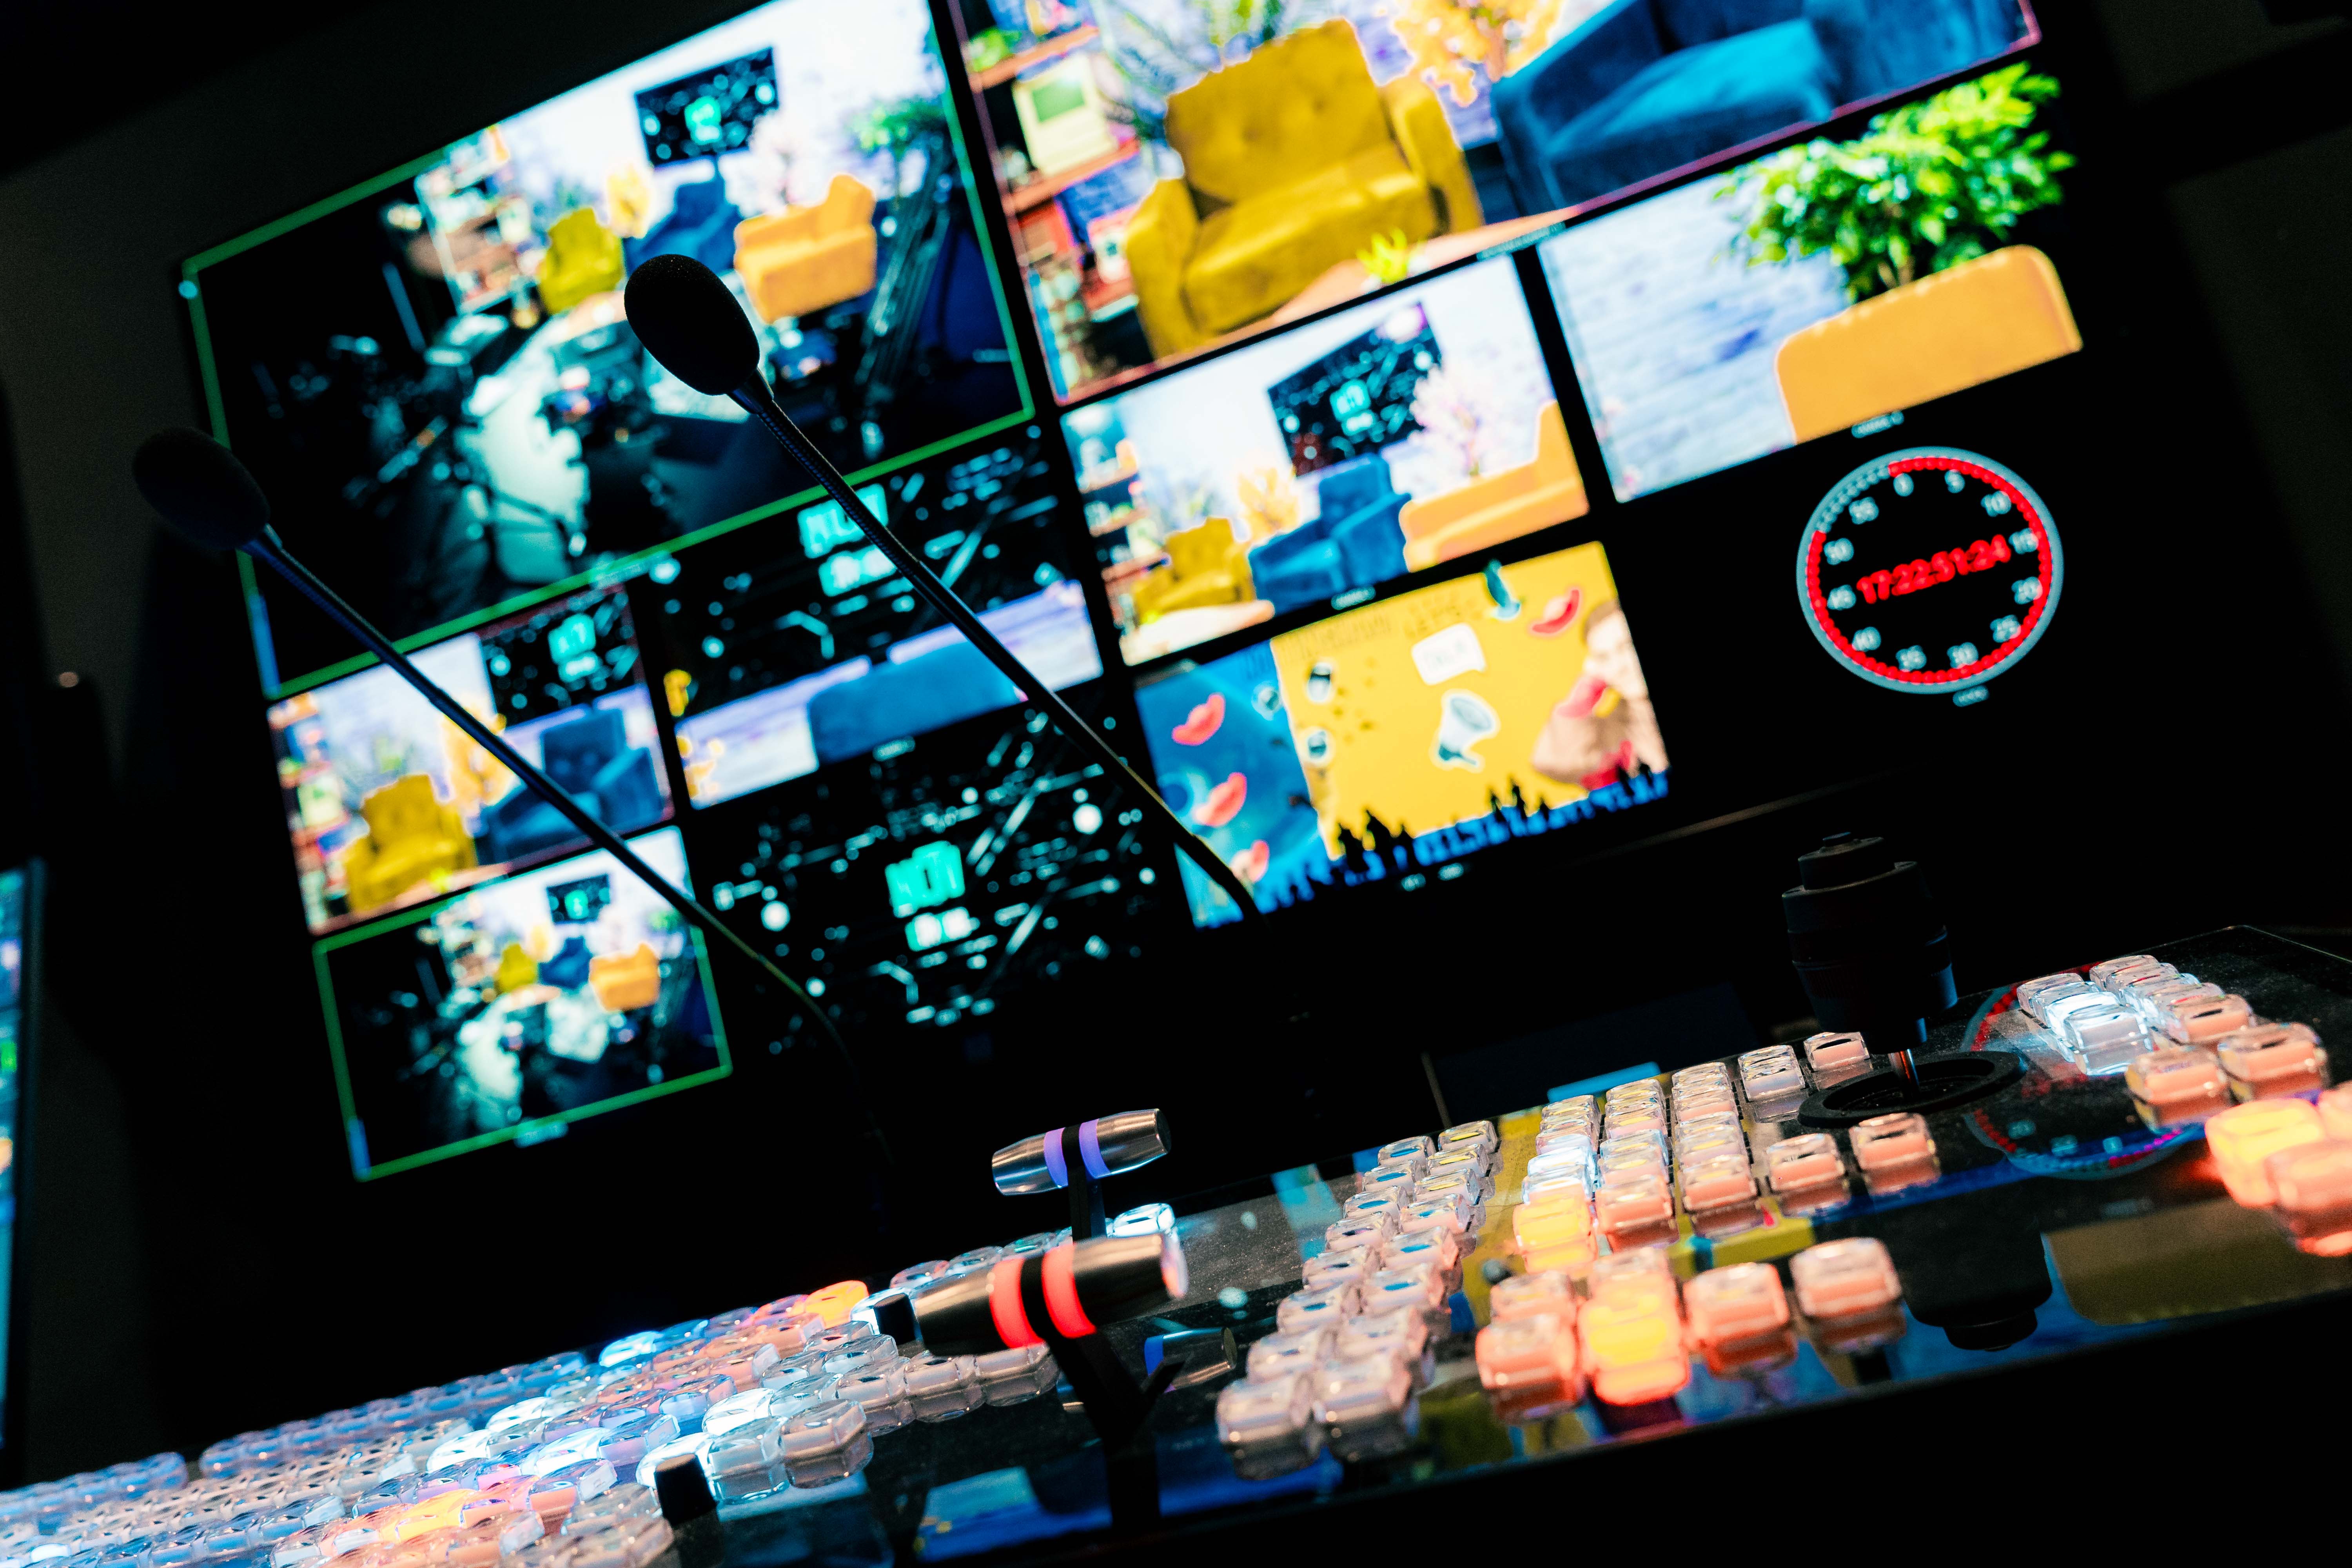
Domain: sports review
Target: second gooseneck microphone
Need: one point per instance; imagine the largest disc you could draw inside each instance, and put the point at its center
(210, 498)
(686, 319)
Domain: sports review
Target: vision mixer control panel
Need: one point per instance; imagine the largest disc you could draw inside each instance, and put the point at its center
(2163, 1151)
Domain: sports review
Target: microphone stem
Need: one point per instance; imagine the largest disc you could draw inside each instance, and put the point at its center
(272, 550)
(757, 399)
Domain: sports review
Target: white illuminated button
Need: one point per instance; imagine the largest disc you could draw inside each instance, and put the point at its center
(1835, 1052)
(1771, 1074)
(1525, 1295)
(1278, 1356)
(1307, 1309)
(1404, 1149)
(1469, 1138)
(1365, 1390)
(1742, 1301)
(2032, 991)
(1808, 1160)
(2104, 1039)
(2272, 1056)
(2201, 1020)
(1335, 1268)
(2101, 974)
(1278, 1410)
(1896, 1139)
(1844, 1279)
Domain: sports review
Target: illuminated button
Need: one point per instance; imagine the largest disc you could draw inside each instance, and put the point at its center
(1844, 1279)
(2102, 974)
(2312, 1191)
(2032, 991)
(1471, 1189)
(1525, 1295)
(1441, 1250)
(1706, 1102)
(2103, 1039)
(1395, 1180)
(2153, 998)
(1423, 1218)
(1278, 1356)
(2177, 1081)
(2057, 1006)
(1771, 1074)
(1633, 1350)
(1642, 1272)
(2245, 1136)
(1577, 1108)
(1638, 1118)
(1743, 1301)
(2201, 1020)
(1369, 1390)
(1717, 1180)
(1365, 1203)
(1419, 1286)
(2272, 1056)
(1892, 1139)
(1834, 1051)
(1537, 1351)
(1554, 1231)
(1808, 1160)
(1356, 1235)
(1403, 1331)
(1631, 1091)
(1336, 1268)
(1311, 1308)
(1709, 1134)
(1569, 1160)
(1475, 1163)
(2335, 1111)
(1628, 1199)
(1550, 1137)
(1405, 1149)
(1469, 1138)
(1269, 1412)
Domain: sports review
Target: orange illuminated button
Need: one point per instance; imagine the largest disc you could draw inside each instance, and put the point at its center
(2245, 1136)
(1808, 1160)
(1892, 1139)
(2336, 1112)
(1832, 1052)
(1844, 1279)
(1631, 1198)
(1548, 1290)
(2175, 1075)
(834, 1303)
(1717, 1179)
(2268, 1053)
(1535, 1352)
(1632, 1349)
(2312, 1180)
(1743, 1301)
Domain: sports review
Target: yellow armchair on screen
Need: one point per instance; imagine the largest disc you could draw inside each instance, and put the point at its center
(803, 259)
(1205, 566)
(1507, 505)
(410, 837)
(626, 981)
(1975, 323)
(1295, 161)
(583, 257)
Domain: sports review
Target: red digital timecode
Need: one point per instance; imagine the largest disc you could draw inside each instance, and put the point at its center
(1876, 587)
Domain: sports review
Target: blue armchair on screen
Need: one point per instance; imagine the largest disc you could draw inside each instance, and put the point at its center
(911, 699)
(590, 760)
(1355, 542)
(701, 224)
(1646, 86)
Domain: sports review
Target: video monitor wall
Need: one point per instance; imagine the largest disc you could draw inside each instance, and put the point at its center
(1343, 581)
(1167, 192)
(433, 376)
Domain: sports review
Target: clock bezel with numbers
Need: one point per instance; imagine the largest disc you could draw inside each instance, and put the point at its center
(1837, 594)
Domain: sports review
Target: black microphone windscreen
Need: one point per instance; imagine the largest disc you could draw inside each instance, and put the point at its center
(690, 323)
(201, 488)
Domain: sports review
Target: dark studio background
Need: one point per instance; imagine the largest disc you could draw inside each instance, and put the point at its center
(198, 1260)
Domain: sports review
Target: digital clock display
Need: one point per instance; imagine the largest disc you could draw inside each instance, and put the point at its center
(1929, 570)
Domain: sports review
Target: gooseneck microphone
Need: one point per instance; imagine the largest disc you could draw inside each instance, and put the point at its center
(686, 319)
(210, 498)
